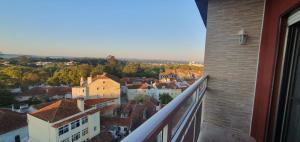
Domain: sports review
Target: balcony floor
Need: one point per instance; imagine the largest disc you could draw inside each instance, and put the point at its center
(213, 133)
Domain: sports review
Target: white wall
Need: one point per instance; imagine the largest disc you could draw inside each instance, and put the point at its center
(132, 93)
(94, 121)
(10, 136)
(39, 130)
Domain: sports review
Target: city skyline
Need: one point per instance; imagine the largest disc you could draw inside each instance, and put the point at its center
(132, 29)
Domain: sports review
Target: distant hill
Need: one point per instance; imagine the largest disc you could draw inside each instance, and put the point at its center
(132, 60)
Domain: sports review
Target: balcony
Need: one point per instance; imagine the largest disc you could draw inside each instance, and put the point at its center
(181, 120)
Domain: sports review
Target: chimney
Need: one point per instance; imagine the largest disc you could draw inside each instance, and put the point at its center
(81, 81)
(89, 80)
(80, 104)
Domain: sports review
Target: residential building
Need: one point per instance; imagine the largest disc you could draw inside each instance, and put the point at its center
(13, 126)
(67, 120)
(100, 86)
(135, 90)
(45, 92)
(155, 90)
(250, 91)
(165, 88)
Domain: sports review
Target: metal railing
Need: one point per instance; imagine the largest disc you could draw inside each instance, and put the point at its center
(180, 120)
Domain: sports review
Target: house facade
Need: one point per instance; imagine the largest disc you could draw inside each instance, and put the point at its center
(100, 86)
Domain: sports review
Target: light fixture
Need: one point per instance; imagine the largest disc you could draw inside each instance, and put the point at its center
(243, 37)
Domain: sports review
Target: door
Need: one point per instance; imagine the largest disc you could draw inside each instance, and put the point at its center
(288, 126)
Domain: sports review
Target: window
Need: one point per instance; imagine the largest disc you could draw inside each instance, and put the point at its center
(103, 88)
(75, 137)
(84, 120)
(83, 90)
(103, 82)
(85, 131)
(17, 138)
(75, 124)
(63, 130)
(95, 128)
(65, 140)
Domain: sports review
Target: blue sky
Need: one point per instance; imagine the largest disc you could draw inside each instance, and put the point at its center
(148, 29)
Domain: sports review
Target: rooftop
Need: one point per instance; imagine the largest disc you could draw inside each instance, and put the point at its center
(61, 109)
(10, 121)
(57, 110)
(138, 86)
(107, 76)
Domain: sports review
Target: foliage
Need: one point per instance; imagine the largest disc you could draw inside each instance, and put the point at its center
(140, 98)
(22, 73)
(165, 98)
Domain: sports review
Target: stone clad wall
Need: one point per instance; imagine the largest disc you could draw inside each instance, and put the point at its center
(232, 67)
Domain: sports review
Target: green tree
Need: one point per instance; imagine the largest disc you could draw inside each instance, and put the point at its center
(84, 70)
(31, 78)
(22, 60)
(99, 69)
(165, 98)
(130, 70)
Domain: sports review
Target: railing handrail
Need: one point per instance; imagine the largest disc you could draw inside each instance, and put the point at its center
(157, 122)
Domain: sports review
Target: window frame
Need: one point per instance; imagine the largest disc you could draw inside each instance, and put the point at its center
(76, 123)
(64, 129)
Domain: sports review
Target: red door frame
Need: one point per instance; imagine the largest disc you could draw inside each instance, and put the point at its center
(272, 32)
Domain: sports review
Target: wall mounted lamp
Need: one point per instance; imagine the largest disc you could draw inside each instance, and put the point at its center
(243, 37)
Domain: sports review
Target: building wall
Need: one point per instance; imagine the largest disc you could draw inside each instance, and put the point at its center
(275, 13)
(39, 130)
(94, 121)
(10, 136)
(42, 131)
(106, 88)
(79, 92)
(133, 93)
(232, 67)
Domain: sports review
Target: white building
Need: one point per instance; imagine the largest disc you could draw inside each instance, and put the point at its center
(164, 88)
(13, 126)
(100, 86)
(135, 90)
(67, 120)
(155, 90)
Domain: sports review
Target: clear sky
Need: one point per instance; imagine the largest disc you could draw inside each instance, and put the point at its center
(147, 29)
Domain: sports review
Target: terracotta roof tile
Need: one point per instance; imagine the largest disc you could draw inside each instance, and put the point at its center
(107, 76)
(91, 102)
(138, 86)
(10, 120)
(57, 110)
(115, 121)
(101, 110)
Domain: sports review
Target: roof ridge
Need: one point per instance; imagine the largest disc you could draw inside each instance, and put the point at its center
(60, 101)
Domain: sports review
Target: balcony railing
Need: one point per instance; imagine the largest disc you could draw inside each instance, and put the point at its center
(180, 120)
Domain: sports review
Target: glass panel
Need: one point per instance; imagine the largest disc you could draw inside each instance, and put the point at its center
(182, 112)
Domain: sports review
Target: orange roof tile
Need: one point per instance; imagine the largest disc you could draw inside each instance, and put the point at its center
(138, 86)
(91, 102)
(57, 110)
(107, 76)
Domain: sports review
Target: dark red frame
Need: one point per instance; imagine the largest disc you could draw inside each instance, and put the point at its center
(271, 41)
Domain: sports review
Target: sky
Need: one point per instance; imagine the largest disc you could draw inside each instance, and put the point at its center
(140, 29)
